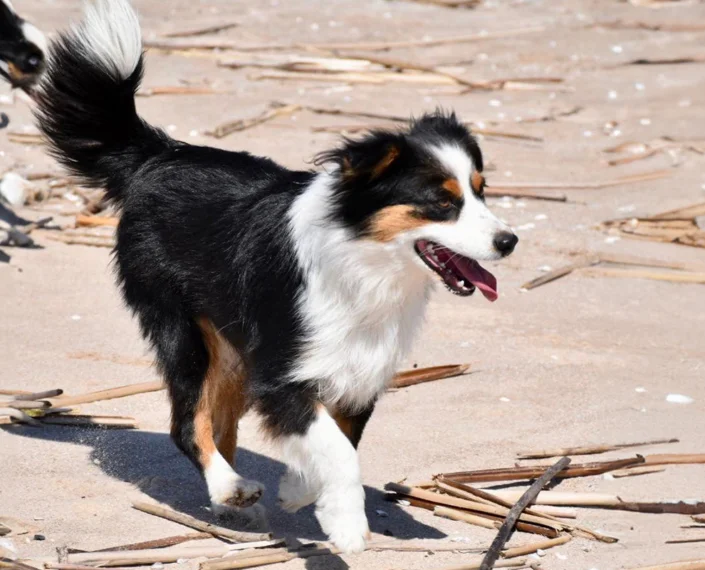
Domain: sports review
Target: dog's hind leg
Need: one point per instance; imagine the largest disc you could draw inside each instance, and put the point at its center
(208, 395)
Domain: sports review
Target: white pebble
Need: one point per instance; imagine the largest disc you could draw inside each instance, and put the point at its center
(612, 95)
(540, 552)
(587, 133)
(504, 399)
(679, 399)
(645, 121)
(171, 128)
(495, 103)
(561, 556)
(315, 27)
(193, 133)
(612, 239)
(617, 49)
(157, 566)
(608, 476)
(545, 268)
(75, 317)
(615, 133)
(628, 208)
(508, 173)
(529, 226)
(540, 217)
(640, 389)
(639, 86)
(552, 43)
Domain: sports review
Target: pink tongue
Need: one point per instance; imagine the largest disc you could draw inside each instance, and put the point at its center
(478, 276)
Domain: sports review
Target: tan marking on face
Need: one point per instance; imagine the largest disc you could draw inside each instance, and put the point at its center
(454, 187)
(477, 181)
(386, 162)
(392, 220)
(223, 398)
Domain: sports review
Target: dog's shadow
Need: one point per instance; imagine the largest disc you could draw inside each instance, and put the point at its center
(151, 462)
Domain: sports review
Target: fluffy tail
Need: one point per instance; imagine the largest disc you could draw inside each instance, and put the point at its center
(86, 100)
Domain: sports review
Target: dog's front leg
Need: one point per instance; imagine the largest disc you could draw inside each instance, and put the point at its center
(328, 465)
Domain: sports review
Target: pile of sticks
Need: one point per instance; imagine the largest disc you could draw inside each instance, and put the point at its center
(547, 513)
(682, 226)
(51, 407)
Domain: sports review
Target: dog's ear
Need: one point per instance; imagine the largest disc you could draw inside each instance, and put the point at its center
(369, 158)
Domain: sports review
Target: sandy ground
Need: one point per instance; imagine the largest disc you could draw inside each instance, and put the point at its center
(555, 366)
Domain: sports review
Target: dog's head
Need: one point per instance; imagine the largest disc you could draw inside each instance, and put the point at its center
(422, 190)
(22, 48)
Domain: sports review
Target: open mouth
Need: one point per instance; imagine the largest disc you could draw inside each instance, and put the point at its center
(460, 274)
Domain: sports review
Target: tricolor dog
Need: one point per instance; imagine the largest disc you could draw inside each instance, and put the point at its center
(292, 293)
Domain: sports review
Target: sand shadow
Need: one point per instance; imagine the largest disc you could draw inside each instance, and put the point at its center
(151, 462)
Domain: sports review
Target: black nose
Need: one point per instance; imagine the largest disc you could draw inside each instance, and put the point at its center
(505, 242)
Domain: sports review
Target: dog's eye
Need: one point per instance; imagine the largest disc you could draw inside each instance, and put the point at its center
(445, 204)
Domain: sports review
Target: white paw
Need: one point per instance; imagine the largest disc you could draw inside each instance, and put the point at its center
(342, 517)
(240, 494)
(294, 493)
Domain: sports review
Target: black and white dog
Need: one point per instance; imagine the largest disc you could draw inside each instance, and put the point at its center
(22, 48)
(294, 293)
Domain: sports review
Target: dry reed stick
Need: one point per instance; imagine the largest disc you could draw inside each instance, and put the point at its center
(532, 548)
(201, 31)
(684, 565)
(559, 272)
(39, 395)
(186, 520)
(185, 44)
(644, 177)
(631, 273)
(241, 124)
(96, 221)
(159, 542)
(588, 450)
(634, 471)
(519, 473)
(19, 416)
(161, 555)
(421, 375)
(462, 516)
(110, 394)
(83, 240)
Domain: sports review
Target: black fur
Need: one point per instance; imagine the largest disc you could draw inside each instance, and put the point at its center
(15, 49)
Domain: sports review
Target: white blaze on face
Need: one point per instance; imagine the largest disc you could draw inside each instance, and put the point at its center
(473, 234)
(33, 35)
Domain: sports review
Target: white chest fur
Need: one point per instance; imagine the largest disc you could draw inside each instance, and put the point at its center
(361, 305)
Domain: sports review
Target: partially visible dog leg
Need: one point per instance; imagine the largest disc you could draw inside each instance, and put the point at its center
(193, 364)
(223, 402)
(353, 424)
(316, 448)
(294, 492)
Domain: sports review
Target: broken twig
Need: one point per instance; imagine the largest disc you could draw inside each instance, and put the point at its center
(186, 520)
(588, 450)
(515, 512)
